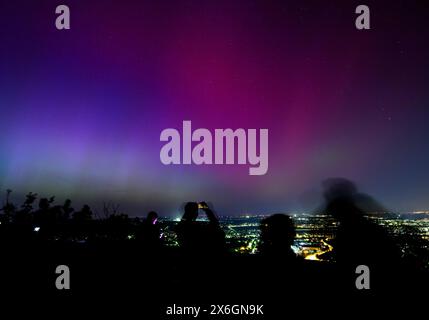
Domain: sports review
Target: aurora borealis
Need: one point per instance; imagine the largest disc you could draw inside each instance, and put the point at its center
(82, 109)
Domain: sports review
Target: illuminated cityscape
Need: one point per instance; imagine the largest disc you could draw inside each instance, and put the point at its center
(315, 232)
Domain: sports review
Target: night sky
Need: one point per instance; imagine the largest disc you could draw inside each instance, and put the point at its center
(81, 110)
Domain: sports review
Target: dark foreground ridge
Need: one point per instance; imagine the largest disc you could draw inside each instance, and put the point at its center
(105, 263)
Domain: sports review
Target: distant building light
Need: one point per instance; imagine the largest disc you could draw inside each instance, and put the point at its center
(36, 229)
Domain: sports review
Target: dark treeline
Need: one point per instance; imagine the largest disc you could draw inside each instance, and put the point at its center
(42, 218)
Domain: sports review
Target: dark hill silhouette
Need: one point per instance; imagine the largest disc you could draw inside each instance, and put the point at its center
(117, 255)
